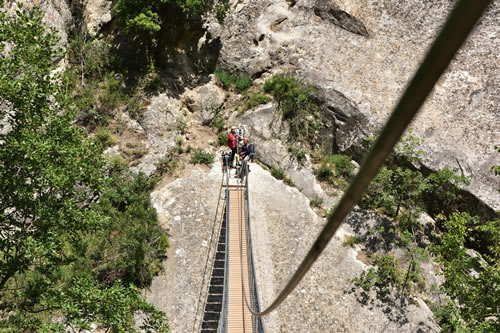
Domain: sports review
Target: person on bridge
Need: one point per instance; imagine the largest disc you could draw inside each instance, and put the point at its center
(232, 144)
(247, 151)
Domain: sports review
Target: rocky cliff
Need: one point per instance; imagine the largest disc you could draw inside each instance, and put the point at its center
(361, 54)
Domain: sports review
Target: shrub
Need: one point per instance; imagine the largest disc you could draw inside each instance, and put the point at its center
(335, 169)
(243, 82)
(287, 180)
(92, 56)
(342, 165)
(181, 126)
(350, 241)
(388, 274)
(199, 156)
(222, 138)
(112, 95)
(295, 102)
(153, 83)
(316, 201)
(474, 296)
(166, 164)
(103, 135)
(134, 106)
(298, 153)
(365, 279)
(224, 78)
(257, 99)
(133, 248)
(278, 173)
(324, 173)
(217, 123)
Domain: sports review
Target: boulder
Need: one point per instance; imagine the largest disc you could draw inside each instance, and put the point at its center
(161, 122)
(96, 13)
(204, 101)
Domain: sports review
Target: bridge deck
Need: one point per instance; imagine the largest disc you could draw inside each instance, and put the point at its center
(239, 319)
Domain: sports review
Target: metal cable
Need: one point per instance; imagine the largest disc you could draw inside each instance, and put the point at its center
(209, 247)
(459, 24)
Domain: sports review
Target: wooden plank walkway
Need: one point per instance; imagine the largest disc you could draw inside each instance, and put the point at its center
(239, 319)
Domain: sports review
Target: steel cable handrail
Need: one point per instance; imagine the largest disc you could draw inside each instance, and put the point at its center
(208, 255)
(223, 314)
(457, 27)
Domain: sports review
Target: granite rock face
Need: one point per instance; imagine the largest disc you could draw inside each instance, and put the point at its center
(271, 150)
(205, 101)
(283, 229)
(361, 54)
(160, 124)
(186, 208)
(96, 13)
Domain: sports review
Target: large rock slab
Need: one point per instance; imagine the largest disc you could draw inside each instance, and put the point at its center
(204, 101)
(186, 208)
(269, 136)
(361, 54)
(161, 122)
(283, 229)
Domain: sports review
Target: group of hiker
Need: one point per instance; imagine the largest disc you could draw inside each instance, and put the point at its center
(239, 154)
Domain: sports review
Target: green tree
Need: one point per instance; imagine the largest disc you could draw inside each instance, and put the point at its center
(52, 179)
(295, 103)
(145, 18)
(472, 281)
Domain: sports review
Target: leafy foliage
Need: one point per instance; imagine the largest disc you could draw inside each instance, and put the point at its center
(350, 241)
(257, 99)
(296, 105)
(241, 82)
(167, 163)
(298, 153)
(93, 56)
(472, 281)
(278, 173)
(199, 156)
(225, 78)
(335, 169)
(54, 221)
(222, 139)
(394, 190)
(133, 245)
(144, 19)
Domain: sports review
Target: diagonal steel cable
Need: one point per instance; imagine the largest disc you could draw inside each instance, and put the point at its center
(458, 26)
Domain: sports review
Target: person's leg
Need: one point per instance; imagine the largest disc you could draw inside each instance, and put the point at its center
(233, 153)
(243, 168)
(245, 161)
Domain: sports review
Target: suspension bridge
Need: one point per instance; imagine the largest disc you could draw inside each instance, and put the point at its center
(231, 302)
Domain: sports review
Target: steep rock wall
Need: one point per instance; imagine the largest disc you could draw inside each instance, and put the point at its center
(361, 54)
